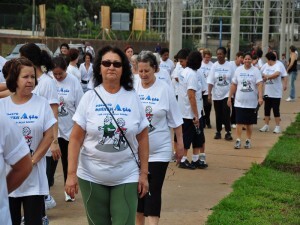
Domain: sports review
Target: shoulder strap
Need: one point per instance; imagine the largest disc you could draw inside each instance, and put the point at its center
(121, 130)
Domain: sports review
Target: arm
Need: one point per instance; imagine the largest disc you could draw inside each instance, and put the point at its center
(260, 93)
(179, 144)
(19, 173)
(232, 91)
(210, 86)
(54, 147)
(43, 146)
(3, 87)
(270, 77)
(293, 59)
(143, 152)
(76, 140)
(285, 83)
(192, 99)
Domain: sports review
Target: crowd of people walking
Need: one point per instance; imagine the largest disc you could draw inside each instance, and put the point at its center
(110, 119)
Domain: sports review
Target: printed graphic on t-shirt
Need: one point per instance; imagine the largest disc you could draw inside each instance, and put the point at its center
(111, 137)
(62, 107)
(149, 116)
(221, 80)
(246, 86)
(269, 82)
(26, 133)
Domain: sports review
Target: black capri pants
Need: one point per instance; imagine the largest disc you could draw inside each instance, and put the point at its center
(272, 103)
(150, 204)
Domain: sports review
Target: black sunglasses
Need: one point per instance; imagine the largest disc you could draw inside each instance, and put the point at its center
(108, 64)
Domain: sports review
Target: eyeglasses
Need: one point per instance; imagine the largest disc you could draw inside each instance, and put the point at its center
(108, 64)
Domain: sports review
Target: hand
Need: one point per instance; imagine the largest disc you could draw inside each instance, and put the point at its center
(71, 186)
(143, 185)
(229, 102)
(264, 77)
(209, 98)
(179, 152)
(55, 150)
(196, 122)
(260, 101)
(284, 87)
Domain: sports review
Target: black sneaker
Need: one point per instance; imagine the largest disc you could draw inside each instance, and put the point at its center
(186, 165)
(218, 135)
(228, 137)
(199, 164)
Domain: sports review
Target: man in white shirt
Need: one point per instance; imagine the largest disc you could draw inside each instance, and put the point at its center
(165, 62)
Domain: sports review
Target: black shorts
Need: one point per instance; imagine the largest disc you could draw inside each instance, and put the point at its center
(272, 103)
(190, 136)
(150, 204)
(246, 116)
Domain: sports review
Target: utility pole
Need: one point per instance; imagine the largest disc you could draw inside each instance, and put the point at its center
(282, 28)
(176, 27)
(33, 17)
(266, 26)
(235, 29)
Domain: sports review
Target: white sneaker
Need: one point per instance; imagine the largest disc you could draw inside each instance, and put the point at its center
(68, 198)
(289, 99)
(277, 130)
(265, 128)
(233, 126)
(49, 202)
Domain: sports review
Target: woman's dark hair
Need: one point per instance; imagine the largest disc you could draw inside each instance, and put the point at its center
(254, 57)
(259, 53)
(248, 53)
(194, 60)
(164, 50)
(276, 54)
(126, 79)
(64, 45)
(271, 56)
(148, 57)
(37, 56)
(88, 54)
(127, 47)
(12, 69)
(73, 54)
(293, 48)
(222, 49)
(183, 53)
(59, 62)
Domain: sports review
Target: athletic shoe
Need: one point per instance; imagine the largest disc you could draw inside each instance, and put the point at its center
(265, 128)
(49, 202)
(237, 144)
(186, 165)
(68, 198)
(277, 130)
(218, 135)
(228, 136)
(233, 126)
(247, 144)
(45, 220)
(199, 164)
(289, 99)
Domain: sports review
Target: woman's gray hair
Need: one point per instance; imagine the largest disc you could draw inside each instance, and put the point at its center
(148, 57)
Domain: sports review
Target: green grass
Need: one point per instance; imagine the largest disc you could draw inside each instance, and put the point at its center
(268, 194)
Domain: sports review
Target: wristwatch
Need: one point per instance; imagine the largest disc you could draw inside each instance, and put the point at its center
(55, 141)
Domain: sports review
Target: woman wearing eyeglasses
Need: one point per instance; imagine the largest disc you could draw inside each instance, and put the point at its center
(107, 170)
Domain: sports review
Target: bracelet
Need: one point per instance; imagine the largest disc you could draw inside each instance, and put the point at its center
(55, 141)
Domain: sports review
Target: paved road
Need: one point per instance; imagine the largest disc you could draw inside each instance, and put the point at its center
(188, 196)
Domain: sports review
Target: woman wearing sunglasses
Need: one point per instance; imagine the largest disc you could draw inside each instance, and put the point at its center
(109, 145)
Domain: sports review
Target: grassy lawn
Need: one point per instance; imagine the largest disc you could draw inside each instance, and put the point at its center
(269, 194)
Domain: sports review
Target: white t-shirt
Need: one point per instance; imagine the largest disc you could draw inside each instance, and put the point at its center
(105, 157)
(246, 95)
(282, 69)
(174, 75)
(273, 88)
(74, 71)
(69, 94)
(260, 63)
(34, 118)
(46, 88)
(188, 81)
(220, 77)
(163, 75)
(204, 71)
(162, 112)
(86, 75)
(12, 149)
(167, 65)
(2, 62)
